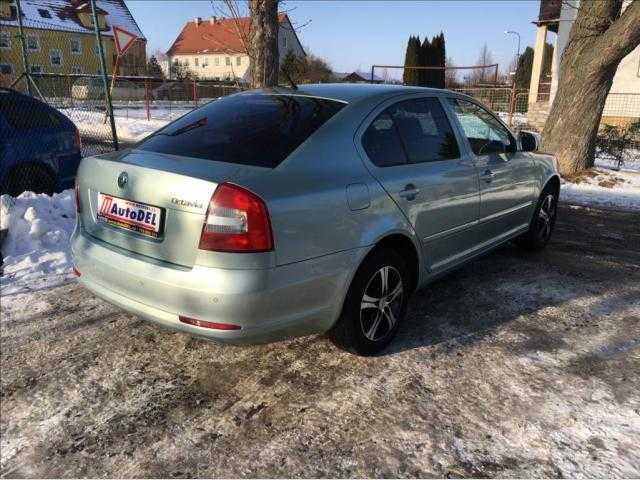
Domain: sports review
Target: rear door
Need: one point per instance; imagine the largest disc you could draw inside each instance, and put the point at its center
(506, 175)
(414, 153)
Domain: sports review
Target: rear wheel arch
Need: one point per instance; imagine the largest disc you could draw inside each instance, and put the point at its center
(552, 183)
(26, 170)
(405, 247)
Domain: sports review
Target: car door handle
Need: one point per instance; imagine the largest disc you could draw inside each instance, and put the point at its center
(410, 192)
(488, 175)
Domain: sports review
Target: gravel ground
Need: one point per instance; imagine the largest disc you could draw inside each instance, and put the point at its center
(514, 366)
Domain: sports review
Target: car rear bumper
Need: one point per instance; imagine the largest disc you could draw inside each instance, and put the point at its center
(268, 304)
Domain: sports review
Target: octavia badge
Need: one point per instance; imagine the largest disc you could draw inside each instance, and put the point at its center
(123, 178)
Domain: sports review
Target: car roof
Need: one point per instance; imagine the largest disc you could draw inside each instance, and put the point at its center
(352, 92)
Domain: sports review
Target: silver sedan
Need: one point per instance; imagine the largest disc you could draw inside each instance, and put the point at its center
(277, 213)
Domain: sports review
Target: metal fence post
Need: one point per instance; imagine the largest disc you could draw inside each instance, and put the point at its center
(146, 98)
(105, 81)
(195, 95)
(512, 102)
(25, 61)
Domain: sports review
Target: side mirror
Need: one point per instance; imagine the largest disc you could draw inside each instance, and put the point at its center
(529, 141)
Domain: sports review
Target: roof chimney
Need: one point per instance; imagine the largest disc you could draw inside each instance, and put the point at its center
(198, 20)
(213, 20)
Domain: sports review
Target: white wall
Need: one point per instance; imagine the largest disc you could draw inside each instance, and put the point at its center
(215, 65)
(627, 78)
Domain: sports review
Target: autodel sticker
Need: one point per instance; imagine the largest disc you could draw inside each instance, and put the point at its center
(130, 215)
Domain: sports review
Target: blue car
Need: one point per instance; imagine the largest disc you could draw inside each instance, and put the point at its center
(39, 146)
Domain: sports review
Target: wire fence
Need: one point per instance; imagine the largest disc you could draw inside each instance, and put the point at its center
(43, 65)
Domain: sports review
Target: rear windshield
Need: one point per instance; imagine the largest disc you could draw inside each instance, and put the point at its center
(247, 129)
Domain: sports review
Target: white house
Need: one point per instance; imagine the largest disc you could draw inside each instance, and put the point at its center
(557, 16)
(213, 48)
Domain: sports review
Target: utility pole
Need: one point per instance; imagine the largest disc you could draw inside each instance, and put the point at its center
(105, 80)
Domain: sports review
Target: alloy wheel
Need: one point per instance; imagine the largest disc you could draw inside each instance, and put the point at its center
(381, 303)
(546, 216)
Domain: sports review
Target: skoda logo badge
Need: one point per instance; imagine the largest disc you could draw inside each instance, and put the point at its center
(123, 178)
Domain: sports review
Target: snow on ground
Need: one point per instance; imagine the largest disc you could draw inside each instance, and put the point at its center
(605, 186)
(36, 252)
(131, 128)
(131, 121)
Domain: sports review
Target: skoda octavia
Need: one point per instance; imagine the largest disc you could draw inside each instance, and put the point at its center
(276, 213)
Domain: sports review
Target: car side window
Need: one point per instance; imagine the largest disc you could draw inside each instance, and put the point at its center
(486, 135)
(382, 142)
(425, 130)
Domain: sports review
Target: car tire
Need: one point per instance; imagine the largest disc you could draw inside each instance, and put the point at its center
(372, 313)
(28, 178)
(542, 223)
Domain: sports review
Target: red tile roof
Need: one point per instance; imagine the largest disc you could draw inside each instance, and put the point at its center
(211, 35)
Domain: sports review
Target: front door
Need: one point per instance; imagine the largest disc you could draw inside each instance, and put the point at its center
(506, 175)
(414, 154)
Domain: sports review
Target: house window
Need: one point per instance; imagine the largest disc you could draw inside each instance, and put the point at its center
(186, 62)
(5, 40)
(35, 68)
(217, 61)
(196, 62)
(6, 68)
(227, 61)
(76, 46)
(284, 41)
(55, 56)
(205, 62)
(44, 13)
(33, 43)
(238, 61)
(76, 70)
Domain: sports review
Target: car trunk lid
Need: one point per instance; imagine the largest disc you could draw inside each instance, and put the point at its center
(179, 188)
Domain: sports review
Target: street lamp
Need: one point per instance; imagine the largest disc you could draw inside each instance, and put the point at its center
(511, 32)
(512, 101)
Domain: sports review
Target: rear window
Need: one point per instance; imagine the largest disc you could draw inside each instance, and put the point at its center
(23, 113)
(248, 129)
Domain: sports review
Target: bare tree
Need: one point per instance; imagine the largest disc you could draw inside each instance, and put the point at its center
(450, 76)
(600, 37)
(485, 57)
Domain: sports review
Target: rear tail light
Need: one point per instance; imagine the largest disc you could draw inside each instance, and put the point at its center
(76, 139)
(205, 324)
(77, 195)
(237, 221)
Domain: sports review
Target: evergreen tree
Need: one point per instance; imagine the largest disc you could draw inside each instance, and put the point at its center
(439, 60)
(523, 70)
(153, 68)
(525, 66)
(411, 58)
(426, 59)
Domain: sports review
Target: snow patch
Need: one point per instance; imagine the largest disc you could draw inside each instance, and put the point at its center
(604, 188)
(36, 251)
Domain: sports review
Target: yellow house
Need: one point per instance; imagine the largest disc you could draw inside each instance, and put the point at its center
(60, 38)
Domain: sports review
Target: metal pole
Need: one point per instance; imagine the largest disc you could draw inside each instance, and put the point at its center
(146, 97)
(105, 80)
(25, 61)
(195, 95)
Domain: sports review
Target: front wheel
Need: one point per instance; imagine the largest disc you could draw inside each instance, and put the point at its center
(543, 222)
(375, 305)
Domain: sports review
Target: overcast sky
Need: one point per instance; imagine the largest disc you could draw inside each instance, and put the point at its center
(353, 35)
